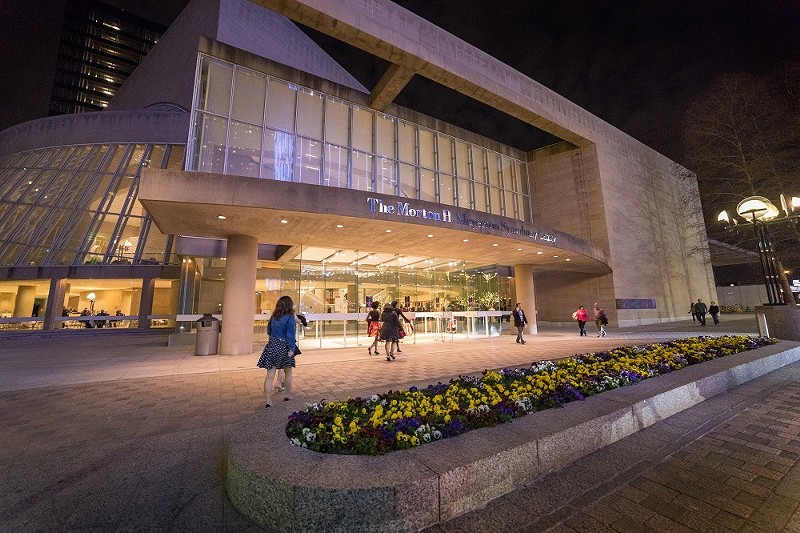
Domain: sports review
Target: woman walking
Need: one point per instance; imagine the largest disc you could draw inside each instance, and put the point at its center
(281, 347)
(374, 327)
(390, 323)
(582, 317)
(400, 318)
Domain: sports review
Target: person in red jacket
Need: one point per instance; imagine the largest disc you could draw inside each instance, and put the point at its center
(582, 317)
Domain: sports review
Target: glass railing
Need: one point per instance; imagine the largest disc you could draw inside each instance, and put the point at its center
(324, 330)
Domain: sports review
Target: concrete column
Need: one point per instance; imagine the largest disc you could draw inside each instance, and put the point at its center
(55, 303)
(23, 303)
(237, 300)
(523, 280)
(146, 302)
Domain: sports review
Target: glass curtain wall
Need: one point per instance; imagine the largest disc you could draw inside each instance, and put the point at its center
(75, 205)
(251, 124)
(335, 288)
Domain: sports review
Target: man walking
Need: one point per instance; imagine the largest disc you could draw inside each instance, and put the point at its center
(700, 309)
(519, 322)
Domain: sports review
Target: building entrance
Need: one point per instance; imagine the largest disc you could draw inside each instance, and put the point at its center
(334, 289)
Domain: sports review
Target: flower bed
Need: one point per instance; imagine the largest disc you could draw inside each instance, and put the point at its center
(399, 420)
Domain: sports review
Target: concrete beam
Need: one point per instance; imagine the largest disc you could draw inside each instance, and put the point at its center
(389, 86)
(395, 34)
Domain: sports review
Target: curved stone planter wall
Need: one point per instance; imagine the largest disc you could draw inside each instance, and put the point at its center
(286, 488)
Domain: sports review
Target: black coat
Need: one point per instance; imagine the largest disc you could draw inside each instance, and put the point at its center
(391, 323)
(517, 321)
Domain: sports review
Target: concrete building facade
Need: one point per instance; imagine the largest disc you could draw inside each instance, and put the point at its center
(293, 178)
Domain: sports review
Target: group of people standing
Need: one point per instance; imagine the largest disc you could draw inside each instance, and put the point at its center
(699, 309)
(386, 326)
(600, 319)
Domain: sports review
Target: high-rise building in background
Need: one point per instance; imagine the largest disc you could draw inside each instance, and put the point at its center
(100, 47)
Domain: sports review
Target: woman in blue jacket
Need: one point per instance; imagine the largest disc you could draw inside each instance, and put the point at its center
(281, 347)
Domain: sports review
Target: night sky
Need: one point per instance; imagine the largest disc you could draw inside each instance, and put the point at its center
(635, 64)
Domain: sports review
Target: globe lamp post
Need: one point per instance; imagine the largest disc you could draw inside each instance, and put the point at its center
(760, 213)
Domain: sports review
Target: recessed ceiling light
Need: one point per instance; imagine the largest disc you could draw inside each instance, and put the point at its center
(466, 240)
(430, 234)
(284, 221)
(539, 253)
(388, 231)
(221, 217)
(495, 244)
(568, 259)
(555, 256)
(519, 249)
(339, 226)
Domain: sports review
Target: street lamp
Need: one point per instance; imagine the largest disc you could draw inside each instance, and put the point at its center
(760, 213)
(91, 298)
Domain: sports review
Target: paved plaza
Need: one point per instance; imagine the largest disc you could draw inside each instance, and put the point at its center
(109, 431)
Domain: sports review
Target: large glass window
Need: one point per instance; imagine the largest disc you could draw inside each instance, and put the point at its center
(446, 157)
(244, 150)
(362, 129)
(358, 147)
(307, 163)
(427, 185)
(335, 174)
(387, 176)
(281, 99)
(337, 117)
(362, 171)
(408, 181)
(209, 143)
(66, 216)
(407, 142)
(215, 87)
(277, 158)
(385, 142)
(309, 113)
(248, 96)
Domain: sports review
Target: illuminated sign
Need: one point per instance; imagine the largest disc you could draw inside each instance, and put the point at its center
(406, 209)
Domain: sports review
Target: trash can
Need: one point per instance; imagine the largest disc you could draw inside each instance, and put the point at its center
(207, 340)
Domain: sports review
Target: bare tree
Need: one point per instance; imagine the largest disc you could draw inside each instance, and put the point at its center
(742, 138)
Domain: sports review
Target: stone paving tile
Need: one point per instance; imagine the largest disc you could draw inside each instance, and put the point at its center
(146, 425)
